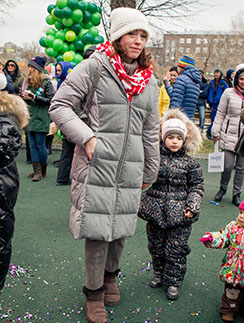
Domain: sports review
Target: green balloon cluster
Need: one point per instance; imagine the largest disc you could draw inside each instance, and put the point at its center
(74, 30)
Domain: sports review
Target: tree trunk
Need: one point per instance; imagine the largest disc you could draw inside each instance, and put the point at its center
(122, 3)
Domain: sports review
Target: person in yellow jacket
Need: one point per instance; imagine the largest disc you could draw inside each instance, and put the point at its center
(164, 99)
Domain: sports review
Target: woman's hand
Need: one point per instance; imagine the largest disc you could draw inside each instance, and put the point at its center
(28, 95)
(90, 147)
(188, 214)
(215, 139)
(144, 186)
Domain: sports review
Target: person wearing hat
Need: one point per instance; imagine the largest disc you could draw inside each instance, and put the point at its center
(164, 99)
(229, 77)
(14, 115)
(116, 153)
(186, 89)
(232, 267)
(201, 103)
(9, 83)
(226, 129)
(172, 203)
(216, 89)
(37, 91)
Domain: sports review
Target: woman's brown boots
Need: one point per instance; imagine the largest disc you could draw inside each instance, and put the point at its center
(96, 300)
(40, 172)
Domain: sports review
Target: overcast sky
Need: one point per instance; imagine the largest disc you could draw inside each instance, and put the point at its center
(26, 22)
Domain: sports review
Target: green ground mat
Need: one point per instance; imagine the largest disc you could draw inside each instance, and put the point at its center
(49, 263)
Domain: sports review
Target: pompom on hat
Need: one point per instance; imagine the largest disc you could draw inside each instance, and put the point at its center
(38, 62)
(125, 20)
(186, 60)
(173, 126)
(241, 206)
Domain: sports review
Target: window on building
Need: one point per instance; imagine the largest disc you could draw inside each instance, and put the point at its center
(167, 43)
(188, 50)
(205, 41)
(181, 50)
(198, 41)
(172, 44)
(240, 42)
(182, 41)
(188, 40)
(198, 50)
(205, 50)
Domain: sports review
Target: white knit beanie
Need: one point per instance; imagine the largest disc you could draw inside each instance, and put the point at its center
(173, 126)
(124, 20)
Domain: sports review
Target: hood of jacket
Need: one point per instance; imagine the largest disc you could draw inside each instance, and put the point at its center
(239, 69)
(66, 66)
(193, 139)
(193, 73)
(11, 104)
(17, 70)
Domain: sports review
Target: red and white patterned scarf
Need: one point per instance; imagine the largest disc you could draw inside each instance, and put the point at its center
(133, 84)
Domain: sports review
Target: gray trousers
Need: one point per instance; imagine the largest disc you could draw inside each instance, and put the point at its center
(101, 256)
(233, 160)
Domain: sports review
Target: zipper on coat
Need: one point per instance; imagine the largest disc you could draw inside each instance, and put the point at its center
(227, 126)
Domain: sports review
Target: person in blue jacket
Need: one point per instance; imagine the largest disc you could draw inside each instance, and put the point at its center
(10, 85)
(216, 88)
(186, 89)
(201, 104)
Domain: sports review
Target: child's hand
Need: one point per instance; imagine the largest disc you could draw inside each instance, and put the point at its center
(188, 214)
(207, 239)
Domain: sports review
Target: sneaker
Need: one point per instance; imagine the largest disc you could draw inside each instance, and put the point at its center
(227, 317)
(156, 282)
(63, 183)
(172, 293)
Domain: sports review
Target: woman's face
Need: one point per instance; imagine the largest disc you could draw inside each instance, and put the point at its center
(241, 82)
(174, 142)
(58, 69)
(11, 67)
(31, 69)
(133, 43)
(172, 76)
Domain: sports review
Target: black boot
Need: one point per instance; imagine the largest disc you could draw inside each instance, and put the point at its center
(236, 199)
(221, 192)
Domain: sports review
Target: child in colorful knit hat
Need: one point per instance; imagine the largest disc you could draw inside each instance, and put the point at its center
(232, 268)
(172, 203)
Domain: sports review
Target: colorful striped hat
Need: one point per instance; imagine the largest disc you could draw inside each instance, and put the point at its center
(186, 60)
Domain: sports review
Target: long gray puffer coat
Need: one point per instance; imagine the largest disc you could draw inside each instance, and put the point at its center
(227, 124)
(105, 192)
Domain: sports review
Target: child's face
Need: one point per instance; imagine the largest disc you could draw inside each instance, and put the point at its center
(241, 217)
(174, 142)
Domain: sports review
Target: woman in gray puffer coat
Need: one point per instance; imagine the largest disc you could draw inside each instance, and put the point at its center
(227, 128)
(173, 202)
(116, 155)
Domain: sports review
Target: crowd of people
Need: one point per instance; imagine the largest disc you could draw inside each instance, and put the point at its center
(110, 120)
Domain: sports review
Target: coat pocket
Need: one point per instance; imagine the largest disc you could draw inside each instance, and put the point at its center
(150, 209)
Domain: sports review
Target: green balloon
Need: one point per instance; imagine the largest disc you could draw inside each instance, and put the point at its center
(51, 52)
(70, 35)
(50, 8)
(61, 3)
(87, 16)
(78, 58)
(96, 18)
(67, 22)
(42, 42)
(82, 32)
(51, 31)
(77, 15)
(66, 12)
(59, 134)
(99, 9)
(60, 35)
(58, 25)
(82, 6)
(65, 48)
(53, 15)
(79, 45)
(98, 39)
(59, 58)
(94, 31)
(76, 28)
(49, 40)
(58, 45)
(50, 20)
(87, 38)
(86, 47)
(73, 4)
(58, 12)
(92, 7)
(68, 56)
(73, 52)
(87, 25)
(72, 47)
